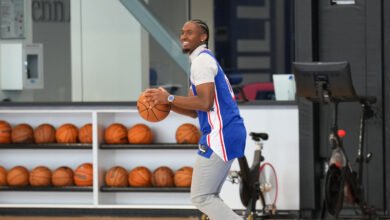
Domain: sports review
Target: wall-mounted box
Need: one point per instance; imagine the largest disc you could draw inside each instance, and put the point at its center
(11, 66)
(33, 66)
(21, 66)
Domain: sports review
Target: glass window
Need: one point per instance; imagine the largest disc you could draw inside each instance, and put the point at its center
(253, 41)
(99, 51)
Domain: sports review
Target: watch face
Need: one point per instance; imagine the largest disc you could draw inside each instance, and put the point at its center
(171, 98)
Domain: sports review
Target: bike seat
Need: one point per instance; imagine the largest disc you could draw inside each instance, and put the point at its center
(259, 136)
(367, 100)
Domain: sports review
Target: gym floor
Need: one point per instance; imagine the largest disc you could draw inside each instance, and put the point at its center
(135, 218)
(155, 218)
(91, 218)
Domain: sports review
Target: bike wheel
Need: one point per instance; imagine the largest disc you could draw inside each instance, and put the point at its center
(268, 185)
(334, 190)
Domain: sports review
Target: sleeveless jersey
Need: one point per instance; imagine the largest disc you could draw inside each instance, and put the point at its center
(223, 130)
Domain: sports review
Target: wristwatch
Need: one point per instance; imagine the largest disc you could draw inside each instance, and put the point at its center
(171, 98)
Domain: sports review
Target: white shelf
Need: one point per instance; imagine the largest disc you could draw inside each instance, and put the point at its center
(282, 150)
(102, 156)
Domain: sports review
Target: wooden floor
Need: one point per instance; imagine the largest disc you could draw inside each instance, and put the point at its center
(93, 218)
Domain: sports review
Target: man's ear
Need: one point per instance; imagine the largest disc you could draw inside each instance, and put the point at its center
(203, 37)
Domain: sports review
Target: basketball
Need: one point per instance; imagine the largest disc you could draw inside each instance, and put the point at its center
(5, 132)
(18, 176)
(140, 134)
(67, 134)
(116, 134)
(3, 176)
(187, 134)
(85, 134)
(22, 134)
(45, 134)
(155, 114)
(116, 177)
(83, 175)
(62, 176)
(183, 177)
(163, 177)
(40, 176)
(140, 177)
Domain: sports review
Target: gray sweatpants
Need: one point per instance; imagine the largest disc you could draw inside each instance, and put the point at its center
(207, 180)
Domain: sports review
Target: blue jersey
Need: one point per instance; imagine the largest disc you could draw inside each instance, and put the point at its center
(223, 130)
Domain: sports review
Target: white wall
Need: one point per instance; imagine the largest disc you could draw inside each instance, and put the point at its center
(108, 58)
(20, 95)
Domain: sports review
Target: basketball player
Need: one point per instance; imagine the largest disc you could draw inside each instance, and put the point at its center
(212, 100)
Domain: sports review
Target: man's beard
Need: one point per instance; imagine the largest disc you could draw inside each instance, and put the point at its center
(185, 50)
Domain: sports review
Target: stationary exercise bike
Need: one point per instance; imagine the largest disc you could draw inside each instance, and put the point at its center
(343, 184)
(257, 183)
(331, 83)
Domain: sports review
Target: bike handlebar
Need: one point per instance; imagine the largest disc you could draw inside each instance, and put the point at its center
(258, 136)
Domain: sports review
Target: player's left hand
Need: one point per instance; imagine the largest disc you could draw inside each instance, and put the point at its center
(156, 96)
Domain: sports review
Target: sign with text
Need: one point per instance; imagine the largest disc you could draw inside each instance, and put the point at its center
(12, 19)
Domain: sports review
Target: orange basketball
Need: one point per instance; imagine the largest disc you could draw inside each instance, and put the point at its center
(155, 114)
(22, 134)
(45, 134)
(18, 176)
(163, 177)
(83, 175)
(183, 177)
(140, 177)
(40, 176)
(67, 134)
(140, 134)
(5, 132)
(85, 134)
(116, 134)
(3, 176)
(62, 176)
(117, 177)
(187, 134)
